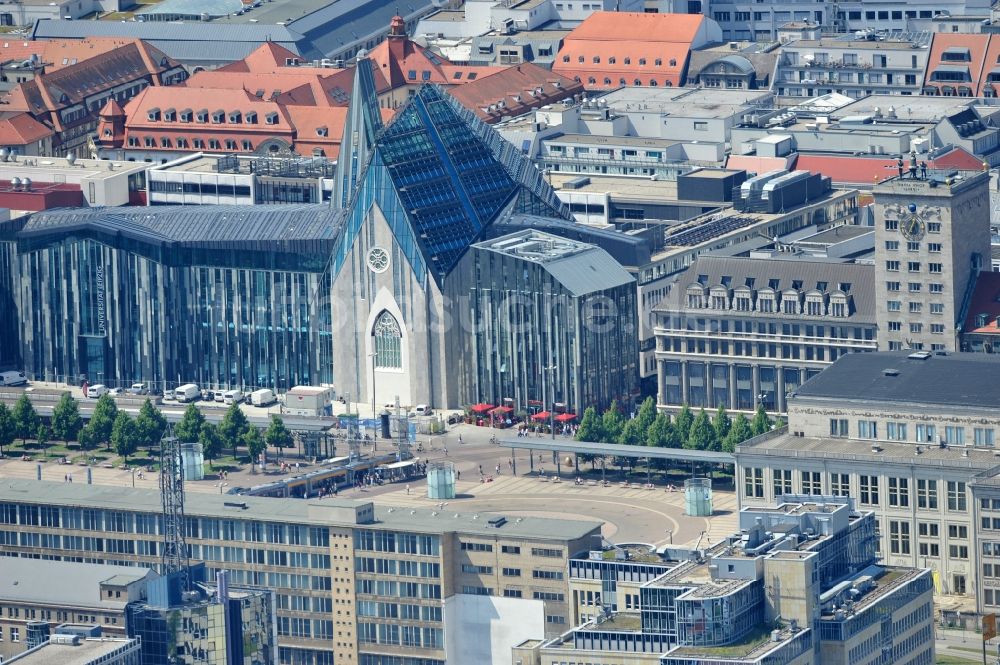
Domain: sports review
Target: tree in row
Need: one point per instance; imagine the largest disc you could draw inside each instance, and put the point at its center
(685, 430)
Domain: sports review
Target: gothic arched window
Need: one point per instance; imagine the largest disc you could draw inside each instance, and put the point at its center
(388, 342)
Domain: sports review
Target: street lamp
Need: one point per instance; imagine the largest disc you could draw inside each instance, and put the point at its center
(373, 355)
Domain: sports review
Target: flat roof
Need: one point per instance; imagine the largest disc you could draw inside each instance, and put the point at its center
(929, 108)
(612, 140)
(954, 380)
(86, 652)
(332, 512)
(703, 103)
(836, 234)
(43, 169)
(64, 583)
(781, 444)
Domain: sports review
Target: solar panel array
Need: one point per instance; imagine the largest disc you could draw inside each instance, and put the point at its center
(708, 230)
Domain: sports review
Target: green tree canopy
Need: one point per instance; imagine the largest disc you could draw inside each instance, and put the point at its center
(277, 434)
(189, 428)
(682, 423)
(612, 423)
(7, 429)
(103, 419)
(211, 441)
(633, 433)
(233, 426)
(721, 423)
(661, 433)
(124, 435)
(150, 424)
(66, 420)
(26, 420)
(590, 426)
(761, 422)
(647, 413)
(254, 443)
(702, 434)
(42, 435)
(85, 437)
(738, 433)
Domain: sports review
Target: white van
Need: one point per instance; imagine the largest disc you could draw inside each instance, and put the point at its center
(96, 391)
(232, 397)
(219, 396)
(263, 397)
(187, 393)
(423, 410)
(13, 379)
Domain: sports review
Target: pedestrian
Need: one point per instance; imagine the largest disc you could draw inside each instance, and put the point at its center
(899, 166)
(458, 474)
(407, 490)
(446, 451)
(65, 477)
(498, 468)
(923, 170)
(480, 469)
(460, 439)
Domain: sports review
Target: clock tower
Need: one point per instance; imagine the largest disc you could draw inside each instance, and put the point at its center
(932, 237)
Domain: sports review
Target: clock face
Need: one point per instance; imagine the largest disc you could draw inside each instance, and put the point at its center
(378, 260)
(912, 227)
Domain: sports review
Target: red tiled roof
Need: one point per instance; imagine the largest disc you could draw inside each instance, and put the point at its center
(978, 46)
(985, 300)
(755, 164)
(21, 129)
(866, 171)
(513, 91)
(611, 49)
(265, 58)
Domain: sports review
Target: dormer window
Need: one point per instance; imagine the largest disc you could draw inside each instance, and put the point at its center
(673, 62)
(202, 116)
(170, 115)
(250, 118)
(612, 60)
(322, 131)
(230, 144)
(235, 117)
(658, 62)
(185, 115)
(153, 114)
(213, 144)
(218, 117)
(628, 61)
(271, 118)
(642, 61)
(597, 59)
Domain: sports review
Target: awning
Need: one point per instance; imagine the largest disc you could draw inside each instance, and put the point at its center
(400, 465)
(482, 407)
(566, 417)
(541, 415)
(500, 410)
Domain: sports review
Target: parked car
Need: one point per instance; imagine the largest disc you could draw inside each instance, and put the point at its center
(424, 410)
(97, 390)
(13, 379)
(231, 397)
(138, 389)
(116, 392)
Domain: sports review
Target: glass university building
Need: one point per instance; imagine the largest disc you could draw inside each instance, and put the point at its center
(368, 295)
(223, 296)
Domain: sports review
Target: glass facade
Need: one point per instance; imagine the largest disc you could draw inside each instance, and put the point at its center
(439, 175)
(119, 307)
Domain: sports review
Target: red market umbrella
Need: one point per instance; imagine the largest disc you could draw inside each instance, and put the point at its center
(481, 407)
(566, 417)
(541, 415)
(501, 410)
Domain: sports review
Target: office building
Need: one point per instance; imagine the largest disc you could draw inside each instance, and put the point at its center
(204, 179)
(353, 582)
(909, 435)
(932, 239)
(187, 619)
(39, 595)
(132, 270)
(799, 583)
(741, 332)
(559, 295)
(854, 65)
(82, 651)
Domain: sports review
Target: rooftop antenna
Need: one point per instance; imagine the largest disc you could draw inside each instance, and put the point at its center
(175, 557)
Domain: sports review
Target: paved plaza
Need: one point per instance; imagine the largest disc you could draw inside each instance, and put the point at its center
(631, 514)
